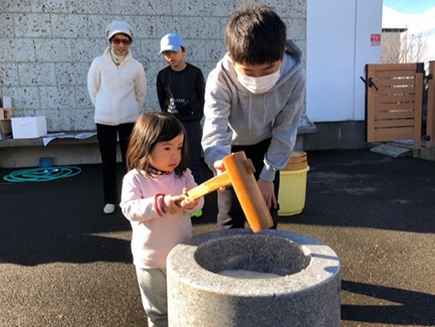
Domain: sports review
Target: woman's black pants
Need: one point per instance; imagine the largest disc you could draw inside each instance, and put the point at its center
(107, 138)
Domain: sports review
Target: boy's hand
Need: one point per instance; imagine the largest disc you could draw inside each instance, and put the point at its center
(268, 192)
(220, 168)
(170, 204)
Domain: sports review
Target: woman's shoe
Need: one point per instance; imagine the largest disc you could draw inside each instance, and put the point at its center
(109, 208)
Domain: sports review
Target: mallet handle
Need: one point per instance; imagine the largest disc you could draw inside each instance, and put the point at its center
(246, 188)
(209, 186)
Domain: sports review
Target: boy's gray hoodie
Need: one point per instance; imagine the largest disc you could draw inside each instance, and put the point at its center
(235, 116)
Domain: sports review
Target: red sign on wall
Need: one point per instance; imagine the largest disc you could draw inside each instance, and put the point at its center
(375, 40)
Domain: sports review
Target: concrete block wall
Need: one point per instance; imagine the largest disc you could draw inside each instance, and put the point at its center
(46, 47)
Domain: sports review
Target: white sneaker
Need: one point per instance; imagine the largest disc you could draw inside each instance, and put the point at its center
(109, 208)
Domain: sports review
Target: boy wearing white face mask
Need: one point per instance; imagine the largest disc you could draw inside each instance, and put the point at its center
(253, 103)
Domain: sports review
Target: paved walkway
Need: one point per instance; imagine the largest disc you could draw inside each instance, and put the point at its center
(64, 263)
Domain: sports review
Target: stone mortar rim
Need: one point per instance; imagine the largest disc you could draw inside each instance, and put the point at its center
(323, 258)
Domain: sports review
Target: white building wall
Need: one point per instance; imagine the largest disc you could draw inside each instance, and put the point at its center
(368, 22)
(46, 47)
(338, 47)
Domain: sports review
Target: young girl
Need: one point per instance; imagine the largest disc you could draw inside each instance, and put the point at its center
(154, 202)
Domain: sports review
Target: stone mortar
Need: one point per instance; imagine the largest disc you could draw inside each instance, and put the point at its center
(307, 294)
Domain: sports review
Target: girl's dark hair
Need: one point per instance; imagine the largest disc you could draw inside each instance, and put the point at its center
(255, 35)
(149, 129)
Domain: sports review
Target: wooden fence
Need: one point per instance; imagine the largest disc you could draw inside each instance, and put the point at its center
(430, 126)
(394, 98)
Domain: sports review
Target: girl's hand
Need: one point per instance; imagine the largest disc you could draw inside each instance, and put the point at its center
(170, 204)
(268, 192)
(186, 203)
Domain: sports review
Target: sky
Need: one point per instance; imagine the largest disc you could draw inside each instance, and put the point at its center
(418, 16)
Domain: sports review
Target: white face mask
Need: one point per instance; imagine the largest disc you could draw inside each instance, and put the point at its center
(258, 85)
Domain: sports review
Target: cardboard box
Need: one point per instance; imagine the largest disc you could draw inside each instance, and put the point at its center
(28, 127)
(5, 113)
(5, 127)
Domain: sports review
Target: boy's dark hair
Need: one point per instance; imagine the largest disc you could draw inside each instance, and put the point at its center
(183, 48)
(149, 129)
(256, 35)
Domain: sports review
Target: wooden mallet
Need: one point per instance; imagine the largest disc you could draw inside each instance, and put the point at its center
(239, 172)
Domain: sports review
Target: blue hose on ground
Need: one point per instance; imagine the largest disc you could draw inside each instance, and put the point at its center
(42, 174)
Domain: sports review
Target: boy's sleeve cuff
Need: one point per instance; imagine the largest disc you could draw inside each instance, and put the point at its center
(268, 173)
(211, 159)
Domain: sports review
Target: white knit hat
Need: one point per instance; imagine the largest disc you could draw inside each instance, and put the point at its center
(118, 27)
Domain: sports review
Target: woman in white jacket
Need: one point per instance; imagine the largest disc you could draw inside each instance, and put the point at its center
(117, 87)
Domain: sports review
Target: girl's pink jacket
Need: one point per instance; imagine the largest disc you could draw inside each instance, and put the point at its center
(153, 235)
